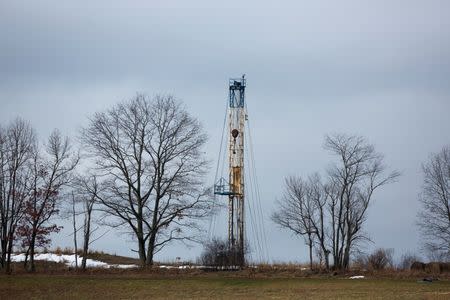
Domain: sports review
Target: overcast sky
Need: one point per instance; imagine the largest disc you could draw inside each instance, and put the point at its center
(380, 69)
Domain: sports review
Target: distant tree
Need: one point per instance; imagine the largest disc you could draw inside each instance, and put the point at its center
(50, 171)
(150, 152)
(434, 216)
(17, 146)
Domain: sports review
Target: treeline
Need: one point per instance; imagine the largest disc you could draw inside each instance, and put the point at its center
(32, 177)
(139, 165)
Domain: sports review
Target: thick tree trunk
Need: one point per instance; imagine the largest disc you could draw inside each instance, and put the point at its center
(3, 256)
(152, 240)
(141, 251)
(150, 250)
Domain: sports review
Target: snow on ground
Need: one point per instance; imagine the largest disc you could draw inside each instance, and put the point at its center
(69, 260)
(357, 277)
(184, 267)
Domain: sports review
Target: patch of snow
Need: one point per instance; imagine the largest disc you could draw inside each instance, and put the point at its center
(124, 266)
(182, 267)
(17, 257)
(69, 260)
(167, 267)
(357, 277)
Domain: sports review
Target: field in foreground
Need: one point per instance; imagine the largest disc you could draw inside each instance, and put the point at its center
(122, 286)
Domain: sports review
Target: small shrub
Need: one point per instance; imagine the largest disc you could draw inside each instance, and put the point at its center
(381, 258)
(217, 253)
(58, 251)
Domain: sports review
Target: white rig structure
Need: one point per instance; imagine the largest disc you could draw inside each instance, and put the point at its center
(234, 188)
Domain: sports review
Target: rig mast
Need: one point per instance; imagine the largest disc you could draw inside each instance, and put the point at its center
(234, 188)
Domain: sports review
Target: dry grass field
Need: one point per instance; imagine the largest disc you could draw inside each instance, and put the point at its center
(221, 285)
(281, 281)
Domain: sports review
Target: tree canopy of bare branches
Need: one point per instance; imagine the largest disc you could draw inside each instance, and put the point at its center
(434, 217)
(332, 214)
(149, 152)
(352, 181)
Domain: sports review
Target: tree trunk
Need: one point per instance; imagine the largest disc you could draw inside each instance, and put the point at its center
(87, 235)
(3, 256)
(141, 245)
(74, 223)
(140, 236)
(31, 266)
(326, 254)
(25, 262)
(310, 244)
(346, 258)
(151, 250)
(9, 251)
(327, 259)
(151, 243)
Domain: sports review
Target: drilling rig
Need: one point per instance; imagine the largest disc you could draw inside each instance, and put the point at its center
(234, 186)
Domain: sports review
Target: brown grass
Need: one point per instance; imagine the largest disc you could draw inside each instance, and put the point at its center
(223, 285)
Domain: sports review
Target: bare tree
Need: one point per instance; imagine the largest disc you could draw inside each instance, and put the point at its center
(150, 154)
(352, 183)
(17, 145)
(295, 211)
(332, 215)
(434, 217)
(50, 171)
